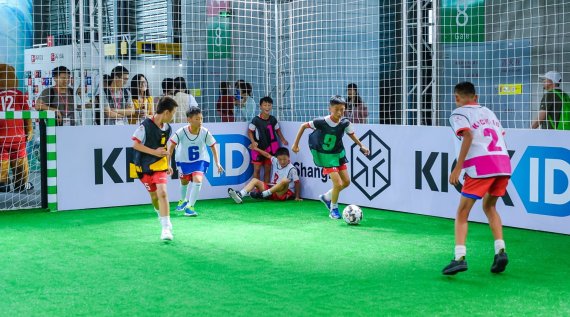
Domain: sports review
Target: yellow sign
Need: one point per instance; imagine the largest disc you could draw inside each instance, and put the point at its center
(159, 48)
(196, 92)
(510, 89)
(110, 49)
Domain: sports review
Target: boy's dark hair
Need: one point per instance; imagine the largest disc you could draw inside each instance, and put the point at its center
(337, 100)
(465, 89)
(119, 71)
(167, 85)
(192, 111)
(266, 99)
(166, 103)
(180, 85)
(352, 86)
(282, 151)
(60, 70)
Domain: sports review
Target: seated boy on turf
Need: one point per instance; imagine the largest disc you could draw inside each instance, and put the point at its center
(285, 179)
(192, 158)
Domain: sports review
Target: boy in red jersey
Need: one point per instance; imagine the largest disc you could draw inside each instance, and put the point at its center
(13, 133)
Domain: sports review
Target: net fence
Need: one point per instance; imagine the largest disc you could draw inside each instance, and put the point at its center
(109, 61)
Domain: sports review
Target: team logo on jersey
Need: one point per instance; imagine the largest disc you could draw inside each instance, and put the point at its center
(542, 179)
(234, 158)
(371, 174)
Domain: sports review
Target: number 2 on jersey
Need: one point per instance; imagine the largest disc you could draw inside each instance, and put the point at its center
(329, 142)
(492, 147)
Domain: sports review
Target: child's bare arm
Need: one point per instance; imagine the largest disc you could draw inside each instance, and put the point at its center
(363, 149)
(216, 159)
(298, 191)
(295, 147)
(282, 138)
(465, 145)
(262, 152)
(251, 138)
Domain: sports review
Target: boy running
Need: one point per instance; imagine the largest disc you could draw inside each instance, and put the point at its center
(284, 185)
(192, 158)
(328, 151)
(152, 161)
(482, 153)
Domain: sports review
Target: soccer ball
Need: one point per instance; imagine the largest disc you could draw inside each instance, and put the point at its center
(352, 214)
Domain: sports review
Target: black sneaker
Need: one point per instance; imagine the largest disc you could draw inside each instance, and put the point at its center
(500, 262)
(455, 267)
(26, 187)
(256, 195)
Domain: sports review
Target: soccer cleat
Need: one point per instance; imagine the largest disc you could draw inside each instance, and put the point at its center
(325, 201)
(166, 234)
(190, 212)
(236, 196)
(334, 214)
(455, 267)
(181, 205)
(500, 262)
(256, 195)
(26, 187)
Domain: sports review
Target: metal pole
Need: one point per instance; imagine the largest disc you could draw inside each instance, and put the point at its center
(73, 38)
(267, 51)
(404, 90)
(277, 59)
(101, 60)
(82, 40)
(435, 64)
(419, 61)
(291, 51)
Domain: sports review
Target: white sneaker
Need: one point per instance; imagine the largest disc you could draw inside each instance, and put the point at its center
(236, 196)
(166, 234)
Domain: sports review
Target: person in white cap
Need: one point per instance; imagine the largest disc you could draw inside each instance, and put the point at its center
(552, 104)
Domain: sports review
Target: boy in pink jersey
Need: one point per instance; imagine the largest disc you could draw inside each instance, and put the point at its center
(482, 153)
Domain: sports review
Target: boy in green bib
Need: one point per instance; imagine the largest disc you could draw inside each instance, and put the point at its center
(328, 151)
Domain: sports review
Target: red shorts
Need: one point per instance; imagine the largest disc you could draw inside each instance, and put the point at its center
(328, 170)
(476, 188)
(150, 180)
(288, 195)
(12, 151)
(188, 177)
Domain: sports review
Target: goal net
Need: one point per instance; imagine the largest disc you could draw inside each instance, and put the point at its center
(27, 152)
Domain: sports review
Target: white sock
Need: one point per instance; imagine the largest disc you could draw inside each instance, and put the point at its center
(266, 193)
(192, 196)
(157, 211)
(243, 193)
(499, 245)
(183, 191)
(165, 222)
(328, 195)
(334, 205)
(460, 251)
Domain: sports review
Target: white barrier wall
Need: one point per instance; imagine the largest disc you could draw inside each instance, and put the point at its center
(407, 171)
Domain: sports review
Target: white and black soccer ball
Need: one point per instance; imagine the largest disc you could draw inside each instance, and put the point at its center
(352, 214)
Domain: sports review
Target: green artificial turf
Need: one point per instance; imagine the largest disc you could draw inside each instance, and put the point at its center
(269, 259)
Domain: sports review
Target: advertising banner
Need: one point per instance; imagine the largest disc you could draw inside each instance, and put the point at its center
(408, 171)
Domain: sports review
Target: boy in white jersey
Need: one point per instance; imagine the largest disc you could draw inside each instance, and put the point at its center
(192, 158)
(482, 153)
(284, 180)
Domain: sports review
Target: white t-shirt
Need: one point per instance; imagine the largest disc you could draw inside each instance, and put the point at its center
(287, 172)
(140, 135)
(487, 156)
(191, 147)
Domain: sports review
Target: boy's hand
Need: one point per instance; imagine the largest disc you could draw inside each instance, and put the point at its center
(284, 142)
(169, 171)
(160, 152)
(254, 145)
(454, 177)
(365, 151)
(295, 148)
(220, 168)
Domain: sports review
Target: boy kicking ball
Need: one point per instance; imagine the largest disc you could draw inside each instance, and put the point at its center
(284, 184)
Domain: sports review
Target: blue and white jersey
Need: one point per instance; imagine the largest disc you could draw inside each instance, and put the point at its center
(192, 150)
